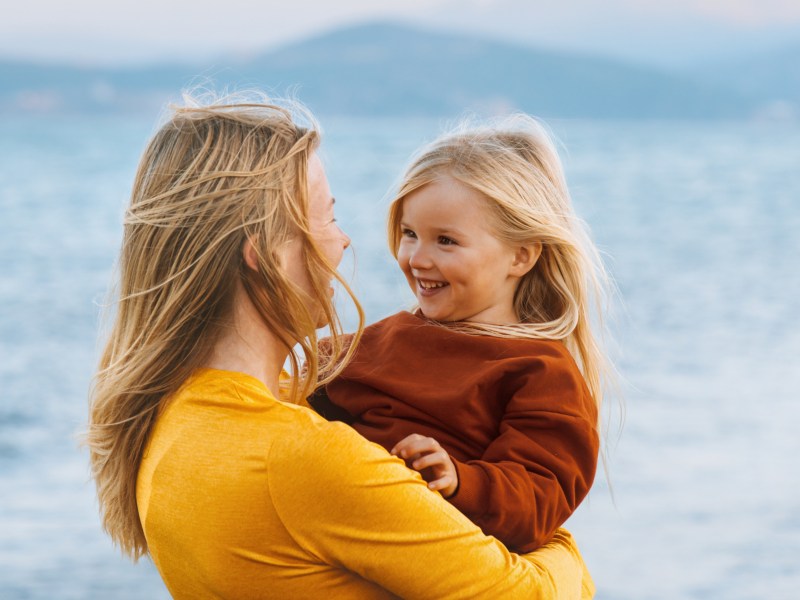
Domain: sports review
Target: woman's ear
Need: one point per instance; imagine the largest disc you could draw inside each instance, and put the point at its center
(525, 258)
(250, 254)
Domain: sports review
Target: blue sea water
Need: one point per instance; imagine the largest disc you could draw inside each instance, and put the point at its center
(699, 224)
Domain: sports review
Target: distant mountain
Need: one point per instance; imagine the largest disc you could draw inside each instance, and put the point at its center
(390, 69)
(772, 79)
(29, 87)
(380, 68)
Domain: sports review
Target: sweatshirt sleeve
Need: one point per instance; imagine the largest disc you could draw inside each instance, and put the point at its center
(534, 475)
(351, 505)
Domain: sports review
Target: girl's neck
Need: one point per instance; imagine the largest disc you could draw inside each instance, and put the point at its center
(247, 346)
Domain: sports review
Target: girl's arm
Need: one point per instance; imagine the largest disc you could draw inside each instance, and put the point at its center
(349, 504)
(534, 475)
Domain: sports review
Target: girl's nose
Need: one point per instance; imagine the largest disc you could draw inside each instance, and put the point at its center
(419, 259)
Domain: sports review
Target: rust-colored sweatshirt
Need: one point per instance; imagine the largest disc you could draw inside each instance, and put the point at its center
(515, 415)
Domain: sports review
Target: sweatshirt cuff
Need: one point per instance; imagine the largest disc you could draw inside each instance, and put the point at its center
(470, 496)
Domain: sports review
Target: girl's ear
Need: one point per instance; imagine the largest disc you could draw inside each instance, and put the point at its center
(525, 258)
(250, 254)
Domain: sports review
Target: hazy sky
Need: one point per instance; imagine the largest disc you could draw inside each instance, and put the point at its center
(666, 32)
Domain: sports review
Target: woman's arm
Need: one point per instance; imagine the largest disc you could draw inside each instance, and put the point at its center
(351, 504)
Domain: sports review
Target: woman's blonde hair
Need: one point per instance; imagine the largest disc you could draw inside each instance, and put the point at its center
(213, 177)
(514, 164)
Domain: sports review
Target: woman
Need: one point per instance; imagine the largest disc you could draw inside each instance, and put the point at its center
(229, 250)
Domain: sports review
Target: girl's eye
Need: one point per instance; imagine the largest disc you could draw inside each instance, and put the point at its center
(408, 233)
(446, 241)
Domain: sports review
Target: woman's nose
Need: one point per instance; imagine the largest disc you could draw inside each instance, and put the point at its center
(345, 239)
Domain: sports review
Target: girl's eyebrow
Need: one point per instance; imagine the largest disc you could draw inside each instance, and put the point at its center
(446, 230)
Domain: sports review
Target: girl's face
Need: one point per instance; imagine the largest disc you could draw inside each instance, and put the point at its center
(454, 264)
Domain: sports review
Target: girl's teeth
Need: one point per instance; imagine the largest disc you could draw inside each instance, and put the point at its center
(427, 285)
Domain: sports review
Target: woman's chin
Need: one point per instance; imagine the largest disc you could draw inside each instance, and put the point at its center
(322, 321)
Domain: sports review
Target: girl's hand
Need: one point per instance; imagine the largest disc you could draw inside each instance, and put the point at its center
(422, 452)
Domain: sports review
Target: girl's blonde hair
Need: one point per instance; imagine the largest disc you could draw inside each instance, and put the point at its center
(213, 177)
(514, 164)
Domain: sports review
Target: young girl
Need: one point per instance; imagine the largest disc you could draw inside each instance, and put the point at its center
(491, 388)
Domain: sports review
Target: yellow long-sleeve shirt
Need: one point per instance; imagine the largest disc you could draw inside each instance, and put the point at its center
(244, 496)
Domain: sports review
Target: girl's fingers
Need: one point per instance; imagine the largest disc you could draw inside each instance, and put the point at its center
(430, 460)
(425, 452)
(415, 444)
(404, 444)
(446, 485)
(439, 484)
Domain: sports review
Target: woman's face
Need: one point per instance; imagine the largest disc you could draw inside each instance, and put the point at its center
(331, 240)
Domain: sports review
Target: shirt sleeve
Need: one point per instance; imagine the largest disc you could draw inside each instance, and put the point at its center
(350, 504)
(540, 467)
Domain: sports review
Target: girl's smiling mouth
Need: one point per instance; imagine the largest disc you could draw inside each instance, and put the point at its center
(429, 286)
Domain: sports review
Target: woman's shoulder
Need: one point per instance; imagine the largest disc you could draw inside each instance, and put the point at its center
(210, 382)
(239, 405)
(316, 457)
(292, 437)
(315, 441)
